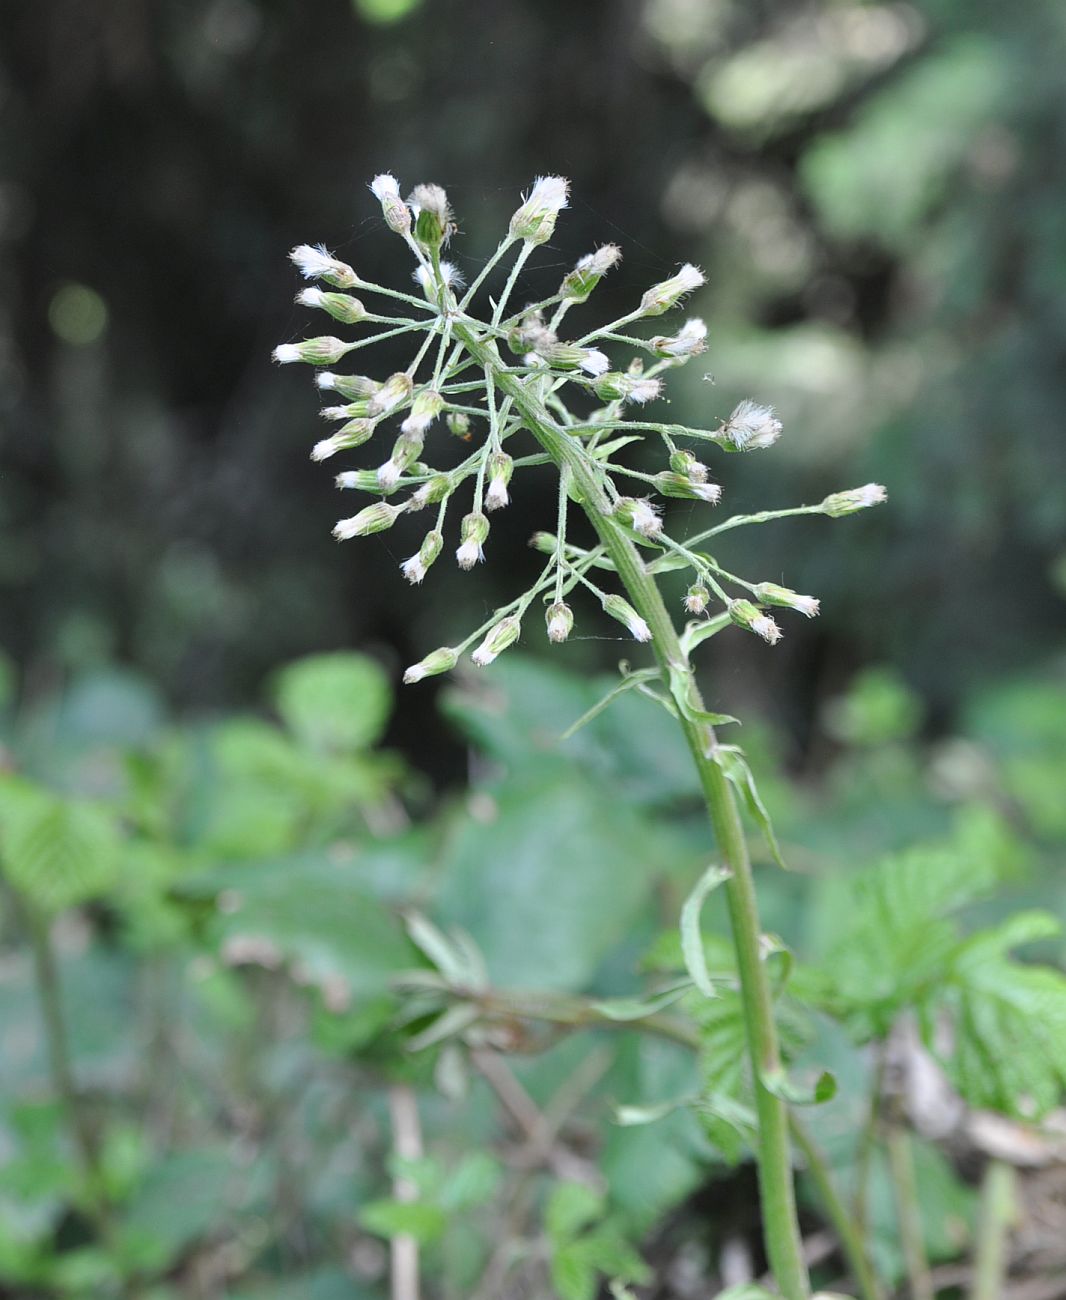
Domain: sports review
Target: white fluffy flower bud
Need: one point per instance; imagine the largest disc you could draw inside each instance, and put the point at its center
(687, 488)
(751, 427)
(771, 594)
(433, 216)
(472, 534)
(615, 386)
(372, 519)
(396, 213)
(688, 342)
(697, 599)
(501, 466)
(625, 613)
(838, 504)
(352, 434)
(640, 515)
(316, 352)
(440, 661)
(341, 306)
(315, 263)
(560, 620)
(535, 220)
(414, 569)
(498, 638)
(661, 297)
(395, 389)
(424, 410)
(749, 616)
(589, 271)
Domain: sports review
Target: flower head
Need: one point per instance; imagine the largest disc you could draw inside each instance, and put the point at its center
(505, 633)
(640, 515)
(749, 616)
(588, 272)
(771, 594)
(373, 519)
(623, 611)
(317, 352)
(472, 532)
(414, 569)
(315, 263)
(397, 214)
(751, 427)
(560, 620)
(535, 220)
(440, 661)
(661, 297)
(433, 216)
(689, 341)
(838, 504)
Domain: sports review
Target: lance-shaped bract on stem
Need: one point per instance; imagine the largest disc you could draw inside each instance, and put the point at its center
(497, 376)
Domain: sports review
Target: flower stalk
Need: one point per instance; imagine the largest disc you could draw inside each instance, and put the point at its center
(540, 391)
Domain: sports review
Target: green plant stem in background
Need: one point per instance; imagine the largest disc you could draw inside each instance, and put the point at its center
(849, 1232)
(46, 975)
(780, 1224)
(908, 1212)
(994, 1220)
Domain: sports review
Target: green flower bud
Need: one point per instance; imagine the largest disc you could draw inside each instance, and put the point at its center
(535, 220)
(839, 504)
(396, 213)
(697, 598)
(746, 615)
(373, 519)
(560, 620)
(433, 216)
(679, 485)
(317, 352)
(341, 306)
(771, 594)
(661, 297)
(504, 634)
(624, 612)
(414, 569)
(589, 271)
(440, 661)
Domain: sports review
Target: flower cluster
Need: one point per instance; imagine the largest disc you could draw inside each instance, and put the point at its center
(485, 379)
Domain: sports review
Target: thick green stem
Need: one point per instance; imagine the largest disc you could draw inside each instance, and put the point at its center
(993, 1227)
(780, 1223)
(844, 1225)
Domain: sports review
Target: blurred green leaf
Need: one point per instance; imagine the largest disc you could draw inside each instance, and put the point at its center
(335, 702)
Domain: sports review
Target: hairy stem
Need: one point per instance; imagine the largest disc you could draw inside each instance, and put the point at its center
(774, 1159)
(994, 1221)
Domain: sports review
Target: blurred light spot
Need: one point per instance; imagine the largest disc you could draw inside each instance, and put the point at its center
(77, 314)
(385, 11)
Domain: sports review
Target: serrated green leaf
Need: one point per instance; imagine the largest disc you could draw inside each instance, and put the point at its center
(1009, 1022)
(58, 853)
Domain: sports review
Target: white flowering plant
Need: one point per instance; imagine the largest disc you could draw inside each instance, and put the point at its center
(505, 381)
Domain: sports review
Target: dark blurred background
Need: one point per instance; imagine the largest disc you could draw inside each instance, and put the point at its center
(877, 192)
